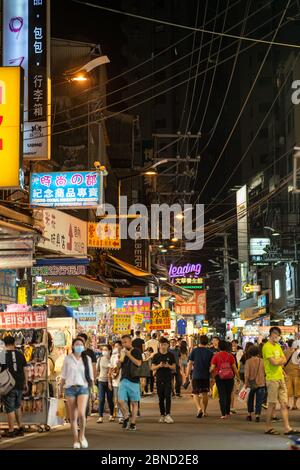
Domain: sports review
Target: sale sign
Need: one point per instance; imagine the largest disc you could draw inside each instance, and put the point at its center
(23, 320)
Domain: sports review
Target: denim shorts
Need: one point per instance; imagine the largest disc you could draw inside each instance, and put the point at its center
(129, 391)
(76, 390)
(12, 401)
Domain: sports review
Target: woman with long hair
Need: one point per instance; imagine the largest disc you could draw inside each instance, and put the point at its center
(184, 357)
(76, 379)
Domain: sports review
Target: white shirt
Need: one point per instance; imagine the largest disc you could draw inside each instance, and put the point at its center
(296, 344)
(114, 359)
(73, 371)
(154, 344)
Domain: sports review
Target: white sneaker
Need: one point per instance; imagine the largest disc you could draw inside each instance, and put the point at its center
(84, 443)
(76, 445)
(111, 419)
(100, 420)
(162, 419)
(169, 419)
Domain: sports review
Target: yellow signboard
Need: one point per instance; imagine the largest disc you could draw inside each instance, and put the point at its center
(22, 295)
(138, 318)
(122, 324)
(106, 236)
(160, 319)
(10, 126)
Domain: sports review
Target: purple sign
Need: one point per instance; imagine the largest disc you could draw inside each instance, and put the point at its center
(180, 271)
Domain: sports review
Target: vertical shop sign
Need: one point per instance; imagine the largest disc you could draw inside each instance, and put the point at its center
(11, 98)
(26, 43)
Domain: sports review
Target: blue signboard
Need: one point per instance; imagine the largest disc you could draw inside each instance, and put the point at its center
(66, 189)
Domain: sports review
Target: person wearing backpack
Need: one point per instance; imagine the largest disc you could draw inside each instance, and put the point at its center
(224, 367)
(16, 367)
(255, 380)
(129, 388)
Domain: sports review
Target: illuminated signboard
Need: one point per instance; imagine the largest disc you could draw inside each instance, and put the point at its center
(10, 126)
(187, 276)
(26, 43)
(134, 305)
(66, 189)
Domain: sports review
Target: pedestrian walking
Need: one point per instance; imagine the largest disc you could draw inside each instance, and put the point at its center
(14, 361)
(76, 379)
(114, 376)
(292, 372)
(223, 364)
(177, 379)
(215, 344)
(129, 388)
(138, 342)
(200, 361)
(153, 343)
(164, 364)
(184, 357)
(255, 380)
(274, 360)
(105, 389)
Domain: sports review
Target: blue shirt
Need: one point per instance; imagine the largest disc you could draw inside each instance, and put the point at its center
(201, 358)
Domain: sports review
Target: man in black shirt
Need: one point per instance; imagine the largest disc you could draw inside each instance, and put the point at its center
(164, 365)
(138, 342)
(16, 364)
(129, 388)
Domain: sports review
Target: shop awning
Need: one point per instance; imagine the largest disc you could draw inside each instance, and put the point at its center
(82, 283)
(177, 290)
(129, 268)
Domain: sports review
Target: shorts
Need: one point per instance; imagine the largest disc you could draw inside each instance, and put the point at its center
(200, 386)
(12, 401)
(293, 386)
(277, 391)
(76, 390)
(129, 391)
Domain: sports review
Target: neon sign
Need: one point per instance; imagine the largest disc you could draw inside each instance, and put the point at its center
(180, 271)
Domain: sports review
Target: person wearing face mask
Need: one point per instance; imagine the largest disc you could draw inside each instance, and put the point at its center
(114, 376)
(104, 384)
(76, 379)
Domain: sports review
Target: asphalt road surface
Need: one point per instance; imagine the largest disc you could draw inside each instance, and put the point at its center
(187, 433)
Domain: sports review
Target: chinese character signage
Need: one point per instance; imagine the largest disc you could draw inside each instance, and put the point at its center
(23, 320)
(11, 98)
(26, 43)
(160, 319)
(104, 235)
(138, 318)
(61, 233)
(133, 305)
(187, 276)
(196, 306)
(65, 189)
(61, 270)
(190, 282)
(122, 323)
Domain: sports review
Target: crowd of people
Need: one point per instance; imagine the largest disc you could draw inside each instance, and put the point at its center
(132, 367)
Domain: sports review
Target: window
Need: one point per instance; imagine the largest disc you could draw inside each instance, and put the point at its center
(263, 133)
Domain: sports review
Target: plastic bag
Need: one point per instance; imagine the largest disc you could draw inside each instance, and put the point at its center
(61, 408)
(215, 393)
(53, 418)
(244, 394)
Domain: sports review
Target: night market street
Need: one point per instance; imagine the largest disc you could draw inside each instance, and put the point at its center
(187, 433)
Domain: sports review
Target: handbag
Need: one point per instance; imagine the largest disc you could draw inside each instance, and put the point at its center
(252, 383)
(139, 371)
(7, 381)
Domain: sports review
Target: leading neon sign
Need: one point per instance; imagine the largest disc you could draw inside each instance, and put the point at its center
(185, 270)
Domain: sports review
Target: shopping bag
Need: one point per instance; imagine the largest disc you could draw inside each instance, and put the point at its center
(53, 418)
(243, 394)
(215, 393)
(61, 408)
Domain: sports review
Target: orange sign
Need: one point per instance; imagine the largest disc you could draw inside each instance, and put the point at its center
(10, 126)
(196, 306)
(101, 235)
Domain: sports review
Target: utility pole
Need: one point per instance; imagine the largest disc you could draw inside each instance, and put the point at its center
(226, 275)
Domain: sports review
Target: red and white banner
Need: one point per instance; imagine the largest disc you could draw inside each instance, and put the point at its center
(23, 320)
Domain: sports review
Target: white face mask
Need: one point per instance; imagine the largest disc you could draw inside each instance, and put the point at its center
(115, 351)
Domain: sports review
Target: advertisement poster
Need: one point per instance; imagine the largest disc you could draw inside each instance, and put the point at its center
(196, 306)
(122, 323)
(160, 319)
(134, 305)
(102, 235)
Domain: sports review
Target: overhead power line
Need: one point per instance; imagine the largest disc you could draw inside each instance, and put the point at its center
(189, 28)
